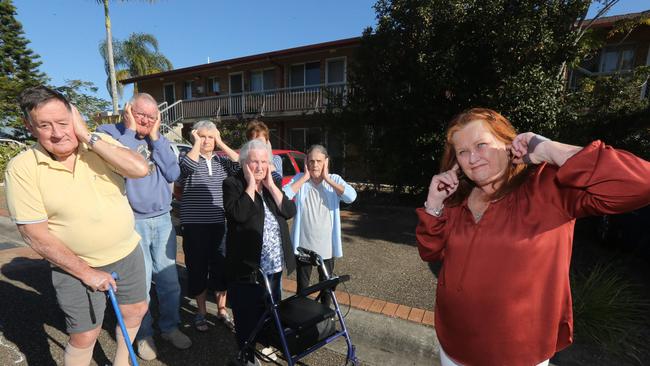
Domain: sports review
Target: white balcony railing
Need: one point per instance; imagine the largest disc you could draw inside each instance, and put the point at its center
(268, 102)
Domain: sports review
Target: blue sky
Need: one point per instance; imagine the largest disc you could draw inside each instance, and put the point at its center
(66, 33)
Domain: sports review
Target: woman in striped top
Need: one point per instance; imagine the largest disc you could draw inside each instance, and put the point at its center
(203, 218)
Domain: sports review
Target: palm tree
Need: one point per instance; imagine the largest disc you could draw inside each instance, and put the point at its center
(137, 55)
(109, 54)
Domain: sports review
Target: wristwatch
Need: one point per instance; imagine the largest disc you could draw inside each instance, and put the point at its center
(437, 212)
(93, 139)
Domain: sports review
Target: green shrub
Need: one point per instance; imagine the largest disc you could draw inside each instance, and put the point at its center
(609, 108)
(8, 151)
(609, 310)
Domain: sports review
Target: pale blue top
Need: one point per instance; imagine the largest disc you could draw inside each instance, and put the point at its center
(333, 202)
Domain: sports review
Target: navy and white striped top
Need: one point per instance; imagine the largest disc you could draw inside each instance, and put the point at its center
(202, 181)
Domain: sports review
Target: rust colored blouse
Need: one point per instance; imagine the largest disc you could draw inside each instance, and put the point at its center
(503, 295)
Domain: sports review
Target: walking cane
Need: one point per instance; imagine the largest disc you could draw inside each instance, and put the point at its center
(120, 321)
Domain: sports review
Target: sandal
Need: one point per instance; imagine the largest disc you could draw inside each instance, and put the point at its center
(200, 323)
(223, 315)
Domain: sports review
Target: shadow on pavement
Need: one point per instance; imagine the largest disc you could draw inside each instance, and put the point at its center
(435, 267)
(28, 308)
(389, 223)
(33, 327)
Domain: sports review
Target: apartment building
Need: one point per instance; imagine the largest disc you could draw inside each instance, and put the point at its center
(290, 90)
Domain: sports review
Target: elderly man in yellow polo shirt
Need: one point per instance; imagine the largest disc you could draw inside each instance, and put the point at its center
(66, 194)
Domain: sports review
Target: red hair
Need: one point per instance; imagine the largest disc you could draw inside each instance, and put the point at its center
(503, 131)
(255, 128)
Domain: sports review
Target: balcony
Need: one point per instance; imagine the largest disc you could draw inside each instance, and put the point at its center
(269, 103)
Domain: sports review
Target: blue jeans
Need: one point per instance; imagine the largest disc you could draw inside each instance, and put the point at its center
(158, 244)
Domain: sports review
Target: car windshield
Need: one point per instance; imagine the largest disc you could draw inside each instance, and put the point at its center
(287, 166)
(300, 160)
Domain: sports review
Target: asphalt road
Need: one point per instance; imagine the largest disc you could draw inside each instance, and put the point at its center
(380, 255)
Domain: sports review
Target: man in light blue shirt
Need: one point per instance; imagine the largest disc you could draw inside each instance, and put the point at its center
(150, 200)
(317, 224)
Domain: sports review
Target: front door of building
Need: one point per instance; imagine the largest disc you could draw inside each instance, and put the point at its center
(236, 86)
(169, 93)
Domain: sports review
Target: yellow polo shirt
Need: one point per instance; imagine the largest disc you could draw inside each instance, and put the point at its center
(86, 209)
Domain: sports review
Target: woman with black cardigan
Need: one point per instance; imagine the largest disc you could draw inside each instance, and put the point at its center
(257, 237)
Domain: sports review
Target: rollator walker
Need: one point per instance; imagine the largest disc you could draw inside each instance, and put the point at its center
(300, 325)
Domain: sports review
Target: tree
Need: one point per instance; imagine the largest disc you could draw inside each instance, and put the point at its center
(109, 54)
(427, 60)
(81, 94)
(18, 65)
(613, 107)
(609, 108)
(137, 55)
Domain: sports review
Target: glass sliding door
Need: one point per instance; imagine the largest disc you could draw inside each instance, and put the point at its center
(236, 87)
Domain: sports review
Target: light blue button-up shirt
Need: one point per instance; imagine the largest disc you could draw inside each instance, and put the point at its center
(333, 201)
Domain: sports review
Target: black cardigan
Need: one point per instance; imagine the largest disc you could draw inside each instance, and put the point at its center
(245, 219)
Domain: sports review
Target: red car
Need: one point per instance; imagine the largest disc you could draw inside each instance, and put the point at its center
(293, 162)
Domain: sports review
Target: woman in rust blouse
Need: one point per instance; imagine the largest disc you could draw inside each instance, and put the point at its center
(501, 216)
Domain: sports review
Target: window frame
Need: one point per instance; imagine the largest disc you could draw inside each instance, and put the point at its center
(210, 83)
(185, 90)
(243, 85)
(345, 70)
(164, 92)
(264, 87)
(304, 85)
(620, 50)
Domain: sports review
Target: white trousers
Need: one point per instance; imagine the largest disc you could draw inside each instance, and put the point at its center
(446, 361)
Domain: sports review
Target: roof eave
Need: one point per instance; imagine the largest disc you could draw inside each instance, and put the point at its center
(252, 58)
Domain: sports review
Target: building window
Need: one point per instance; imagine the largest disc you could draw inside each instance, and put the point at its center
(302, 138)
(213, 85)
(617, 59)
(236, 83)
(312, 73)
(336, 71)
(302, 75)
(169, 93)
(297, 76)
(262, 80)
(187, 90)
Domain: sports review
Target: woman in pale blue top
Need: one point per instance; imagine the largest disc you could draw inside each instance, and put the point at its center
(317, 224)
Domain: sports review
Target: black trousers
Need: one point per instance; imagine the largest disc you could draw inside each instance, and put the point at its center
(205, 257)
(247, 302)
(303, 275)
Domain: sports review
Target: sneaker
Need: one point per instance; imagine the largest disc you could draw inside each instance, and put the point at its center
(269, 352)
(147, 349)
(177, 338)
